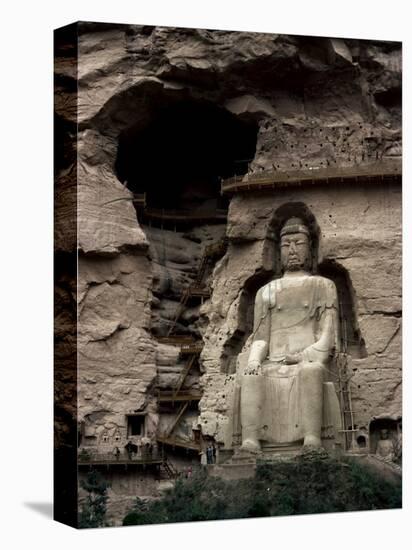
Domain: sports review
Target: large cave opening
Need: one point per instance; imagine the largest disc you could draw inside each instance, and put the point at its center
(179, 155)
(176, 157)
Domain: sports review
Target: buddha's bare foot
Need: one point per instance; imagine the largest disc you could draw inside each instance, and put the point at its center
(250, 446)
(312, 442)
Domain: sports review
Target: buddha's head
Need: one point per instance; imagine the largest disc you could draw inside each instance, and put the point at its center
(295, 249)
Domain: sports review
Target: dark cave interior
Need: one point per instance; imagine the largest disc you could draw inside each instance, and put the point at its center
(179, 156)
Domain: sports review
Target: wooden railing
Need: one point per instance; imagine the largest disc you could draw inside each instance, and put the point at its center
(375, 171)
(193, 348)
(187, 344)
(184, 215)
(144, 457)
(176, 339)
(138, 199)
(198, 291)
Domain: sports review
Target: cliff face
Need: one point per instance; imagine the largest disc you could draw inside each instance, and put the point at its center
(281, 103)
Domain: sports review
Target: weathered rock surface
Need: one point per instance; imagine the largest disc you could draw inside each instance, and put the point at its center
(175, 258)
(117, 364)
(315, 102)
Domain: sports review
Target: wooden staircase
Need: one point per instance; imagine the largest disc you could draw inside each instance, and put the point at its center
(198, 289)
(192, 291)
(189, 347)
(169, 469)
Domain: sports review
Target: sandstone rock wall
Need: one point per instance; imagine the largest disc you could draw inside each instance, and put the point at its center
(116, 354)
(316, 101)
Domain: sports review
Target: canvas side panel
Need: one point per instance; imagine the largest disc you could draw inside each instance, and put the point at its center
(65, 275)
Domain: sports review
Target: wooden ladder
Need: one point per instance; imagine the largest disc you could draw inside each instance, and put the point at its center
(185, 296)
(345, 394)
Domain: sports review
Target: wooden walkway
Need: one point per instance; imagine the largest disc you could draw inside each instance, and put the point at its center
(111, 460)
(187, 345)
(182, 216)
(171, 215)
(164, 396)
(318, 175)
(159, 461)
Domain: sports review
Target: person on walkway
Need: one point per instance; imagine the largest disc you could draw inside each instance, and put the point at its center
(130, 449)
(203, 457)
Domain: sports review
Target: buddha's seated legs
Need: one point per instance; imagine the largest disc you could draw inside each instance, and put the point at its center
(251, 407)
(311, 377)
(310, 402)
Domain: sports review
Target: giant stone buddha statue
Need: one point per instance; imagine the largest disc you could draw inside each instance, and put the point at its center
(283, 385)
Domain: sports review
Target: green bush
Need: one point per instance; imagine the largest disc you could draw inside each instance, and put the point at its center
(93, 512)
(305, 485)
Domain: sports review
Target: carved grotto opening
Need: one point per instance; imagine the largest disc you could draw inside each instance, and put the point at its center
(391, 425)
(136, 425)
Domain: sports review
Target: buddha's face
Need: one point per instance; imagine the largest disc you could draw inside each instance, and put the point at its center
(295, 252)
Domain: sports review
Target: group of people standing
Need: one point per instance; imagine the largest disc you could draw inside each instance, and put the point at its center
(208, 455)
(143, 449)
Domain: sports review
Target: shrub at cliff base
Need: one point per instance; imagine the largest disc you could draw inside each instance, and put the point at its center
(300, 486)
(93, 511)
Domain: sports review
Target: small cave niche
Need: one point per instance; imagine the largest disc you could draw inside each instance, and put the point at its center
(350, 334)
(390, 98)
(136, 425)
(178, 156)
(377, 426)
(361, 442)
(105, 438)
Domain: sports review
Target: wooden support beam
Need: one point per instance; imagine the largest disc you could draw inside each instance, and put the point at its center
(167, 396)
(176, 419)
(184, 374)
